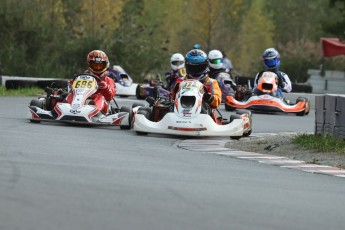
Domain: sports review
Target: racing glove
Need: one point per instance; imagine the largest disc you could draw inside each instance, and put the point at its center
(103, 85)
(207, 97)
(281, 83)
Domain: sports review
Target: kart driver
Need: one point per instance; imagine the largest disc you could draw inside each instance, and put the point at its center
(197, 68)
(98, 64)
(177, 71)
(215, 61)
(271, 59)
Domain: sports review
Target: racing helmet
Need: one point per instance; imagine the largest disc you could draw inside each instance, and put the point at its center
(197, 64)
(97, 62)
(197, 46)
(271, 59)
(177, 61)
(215, 59)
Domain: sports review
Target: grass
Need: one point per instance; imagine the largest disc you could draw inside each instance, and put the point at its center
(21, 92)
(320, 143)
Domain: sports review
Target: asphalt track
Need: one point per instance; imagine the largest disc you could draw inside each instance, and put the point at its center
(55, 176)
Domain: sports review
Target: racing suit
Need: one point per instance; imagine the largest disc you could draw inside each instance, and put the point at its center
(284, 83)
(213, 97)
(174, 76)
(108, 92)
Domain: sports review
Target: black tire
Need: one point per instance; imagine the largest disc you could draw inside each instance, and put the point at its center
(247, 134)
(229, 108)
(137, 93)
(147, 112)
(52, 83)
(40, 103)
(307, 106)
(130, 117)
(17, 84)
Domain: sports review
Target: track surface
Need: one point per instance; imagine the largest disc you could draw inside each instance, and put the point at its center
(69, 177)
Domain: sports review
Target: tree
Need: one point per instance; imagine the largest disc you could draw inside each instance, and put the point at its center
(256, 34)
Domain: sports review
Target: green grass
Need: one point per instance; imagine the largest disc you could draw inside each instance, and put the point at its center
(21, 92)
(320, 143)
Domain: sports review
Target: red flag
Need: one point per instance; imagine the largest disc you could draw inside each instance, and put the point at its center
(332, 47)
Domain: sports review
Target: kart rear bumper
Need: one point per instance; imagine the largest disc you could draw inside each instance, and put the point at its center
(203, 125)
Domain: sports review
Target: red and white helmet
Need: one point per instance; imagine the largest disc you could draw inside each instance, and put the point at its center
(97, 62)
(177, 61)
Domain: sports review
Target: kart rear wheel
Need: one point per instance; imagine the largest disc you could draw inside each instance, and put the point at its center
(232, 118)
(40, 103)
(130, 117)
(229, 107)
(147, 111)
(137, 93)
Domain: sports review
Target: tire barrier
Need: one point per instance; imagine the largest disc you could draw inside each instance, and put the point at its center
(16, 84)
(301, 88)
(12, 82)
(330, 115)
(52, 83)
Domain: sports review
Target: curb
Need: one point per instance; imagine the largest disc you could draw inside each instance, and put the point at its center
(217, 146)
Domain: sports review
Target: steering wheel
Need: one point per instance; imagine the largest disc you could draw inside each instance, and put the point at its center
(88, 74)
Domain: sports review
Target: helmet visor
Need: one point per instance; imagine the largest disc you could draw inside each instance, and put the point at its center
(271, 63)
(196, 69)
(177, 63)
(216, 61)
(98, 66)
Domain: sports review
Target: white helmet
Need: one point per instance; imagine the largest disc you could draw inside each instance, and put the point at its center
(215, 59)
(177, 61)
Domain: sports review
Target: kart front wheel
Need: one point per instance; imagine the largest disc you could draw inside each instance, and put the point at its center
(130, 117)
(306, 107)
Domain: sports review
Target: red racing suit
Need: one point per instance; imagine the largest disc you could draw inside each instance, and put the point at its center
(107, 93)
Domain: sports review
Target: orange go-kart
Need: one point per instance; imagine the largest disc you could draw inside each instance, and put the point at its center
(266, 100)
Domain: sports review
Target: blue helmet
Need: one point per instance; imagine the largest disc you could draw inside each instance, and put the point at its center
(197, 46)
(197, 64)
(271, 59)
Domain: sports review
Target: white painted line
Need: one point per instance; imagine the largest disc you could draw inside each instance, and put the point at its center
(306, 166)
(287, 161)
(263, 157)
(341, 175)
(333, 171)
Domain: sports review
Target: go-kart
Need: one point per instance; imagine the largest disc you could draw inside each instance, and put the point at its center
(225, 83)
(152, 87)
(187, 115)
(266, 100)
(124, 83)
(82, 107)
